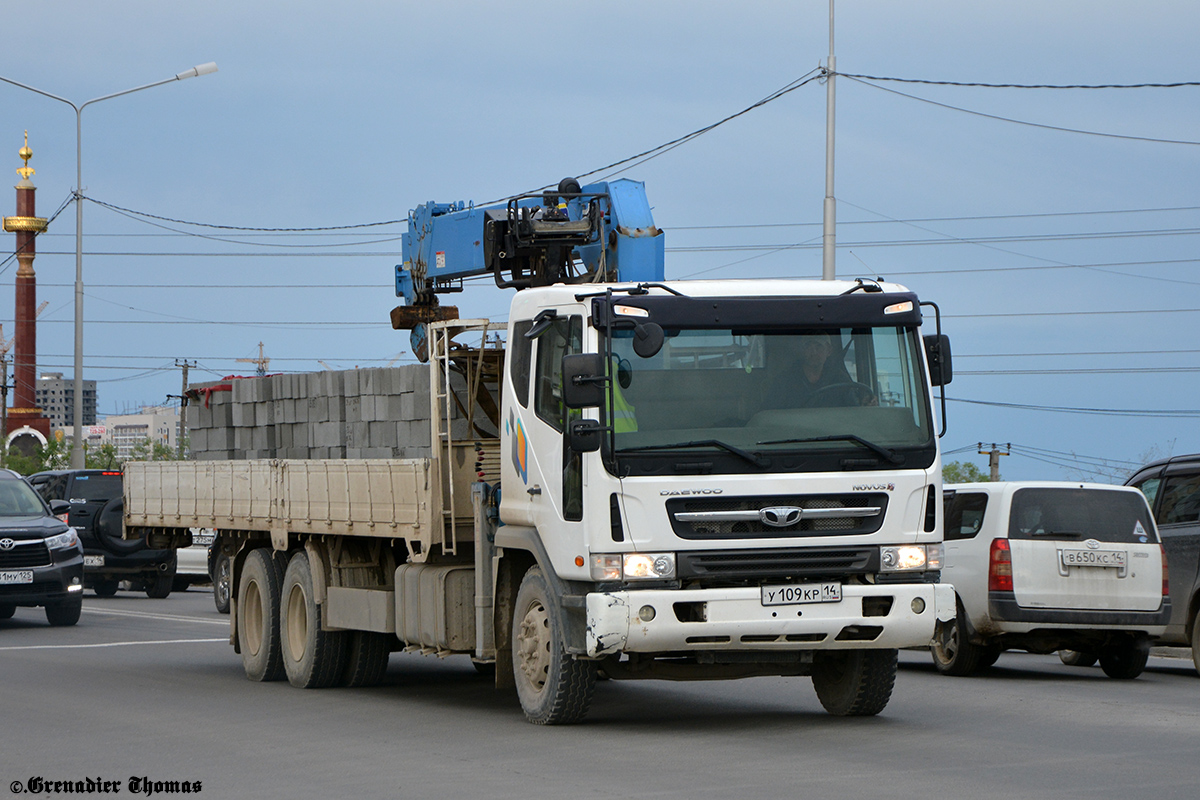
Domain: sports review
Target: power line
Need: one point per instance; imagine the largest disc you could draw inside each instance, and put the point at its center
(1024, 122)
(239, 227)
(1175, 85)
(1112, 412)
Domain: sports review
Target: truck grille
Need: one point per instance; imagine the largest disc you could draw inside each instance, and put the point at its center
(747, 517)
(810, 562)
(25, 556)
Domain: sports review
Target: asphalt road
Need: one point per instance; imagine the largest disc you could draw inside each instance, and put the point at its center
(150, 689)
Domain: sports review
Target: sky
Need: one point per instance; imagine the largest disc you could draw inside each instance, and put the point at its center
(1056, 229)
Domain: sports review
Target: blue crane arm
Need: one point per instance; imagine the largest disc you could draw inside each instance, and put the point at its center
(602, 232)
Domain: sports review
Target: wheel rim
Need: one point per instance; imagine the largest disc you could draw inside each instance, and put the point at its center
(252, 620)
(949, 642)
(222, 584)
(297, 622)
(533, 647)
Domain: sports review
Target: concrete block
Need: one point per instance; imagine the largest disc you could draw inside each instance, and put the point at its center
(242, 415)
(383, 434)
(413, 406)
(352, 410)
(264, 414)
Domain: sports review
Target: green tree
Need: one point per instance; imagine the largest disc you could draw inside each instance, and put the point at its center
(54, 454)
(102, 457)
(150, 450)
(963, 472)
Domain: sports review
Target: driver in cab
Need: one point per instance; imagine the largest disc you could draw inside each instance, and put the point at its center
(813, 377)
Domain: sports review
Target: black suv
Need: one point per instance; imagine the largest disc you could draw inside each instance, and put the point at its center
(1172, 486)
(41, 560)
(96, 508)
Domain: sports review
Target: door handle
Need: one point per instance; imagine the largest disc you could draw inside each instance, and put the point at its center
(534, 490)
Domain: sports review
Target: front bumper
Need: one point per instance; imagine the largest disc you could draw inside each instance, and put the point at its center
(58, 581)
(736, 619)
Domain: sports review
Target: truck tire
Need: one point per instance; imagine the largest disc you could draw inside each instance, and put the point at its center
(312, 658)
(854, 683)
(553, 687)
(1076, 658)
(65, 613)
(220, 581)
(1125, 660)
(258, 617)
(952, 653)
(366, 658)
(105, 587)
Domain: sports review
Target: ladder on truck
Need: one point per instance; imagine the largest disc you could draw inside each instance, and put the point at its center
(444, 400)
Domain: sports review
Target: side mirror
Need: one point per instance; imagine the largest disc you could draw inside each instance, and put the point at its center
(583, 380)
(647, 339)
(583, 435)
(59, 507)
(937, 353)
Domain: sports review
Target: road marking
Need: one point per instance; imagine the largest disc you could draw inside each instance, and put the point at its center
(108, 644)
(148, 615)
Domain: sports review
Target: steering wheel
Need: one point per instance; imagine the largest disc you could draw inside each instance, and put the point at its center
(851, 390)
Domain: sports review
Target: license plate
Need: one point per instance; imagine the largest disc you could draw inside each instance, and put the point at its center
(795, 594)
(93, 561)
(1114, 559)
(203, 539)
(16, 576)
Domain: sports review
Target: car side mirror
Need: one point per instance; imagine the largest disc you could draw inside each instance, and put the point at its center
(59, 507)
(583, 380)
(937, 353)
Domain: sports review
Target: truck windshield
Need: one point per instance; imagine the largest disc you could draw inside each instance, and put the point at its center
(801, 400)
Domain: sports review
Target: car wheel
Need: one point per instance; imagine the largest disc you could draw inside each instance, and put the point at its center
(1125, 660)
(159, 585)
(989, 656)
(105, 587)
(64, 613)
(220, 581)
(7, 610)
(1077, 658)
(1196, 642)
(952, 653)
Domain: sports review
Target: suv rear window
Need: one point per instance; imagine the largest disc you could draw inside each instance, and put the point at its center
(98, 486)
(1077, 514)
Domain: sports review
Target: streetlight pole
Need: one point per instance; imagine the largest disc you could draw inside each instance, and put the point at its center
(202, 69)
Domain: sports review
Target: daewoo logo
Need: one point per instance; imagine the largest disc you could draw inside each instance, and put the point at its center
(681, 492)
(874, 487)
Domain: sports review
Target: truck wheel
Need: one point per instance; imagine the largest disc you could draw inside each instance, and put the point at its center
(258, 617)
(366, 658)
(220, 582)
(1076, 658)
(952, 653)
(7, 610)
(312, 658)
(105, 587)
(1125, 660)
(64, 613)
(854, 683)
(554, 688)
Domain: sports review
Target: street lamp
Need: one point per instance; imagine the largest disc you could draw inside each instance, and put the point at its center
(202, 69)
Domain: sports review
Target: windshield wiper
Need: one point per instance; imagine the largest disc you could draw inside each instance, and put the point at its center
(754, 458)
(887, 453)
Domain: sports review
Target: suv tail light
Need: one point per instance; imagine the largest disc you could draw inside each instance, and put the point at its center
(1166, 585)
(1000, 567)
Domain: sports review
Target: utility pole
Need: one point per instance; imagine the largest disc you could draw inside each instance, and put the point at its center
(183, 405)
(994, 458)
(828, 235)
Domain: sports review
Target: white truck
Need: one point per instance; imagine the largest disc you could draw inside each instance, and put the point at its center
(671, 493)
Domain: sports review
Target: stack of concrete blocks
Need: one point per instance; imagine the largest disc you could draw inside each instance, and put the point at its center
(363, 413)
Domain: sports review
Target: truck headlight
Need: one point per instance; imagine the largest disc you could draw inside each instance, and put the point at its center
(633, 566)
(910, 557)
(62, 541)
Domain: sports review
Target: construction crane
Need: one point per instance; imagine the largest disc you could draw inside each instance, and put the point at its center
(261, 363)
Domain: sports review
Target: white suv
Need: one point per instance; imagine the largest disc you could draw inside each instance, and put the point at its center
(1042, 566)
